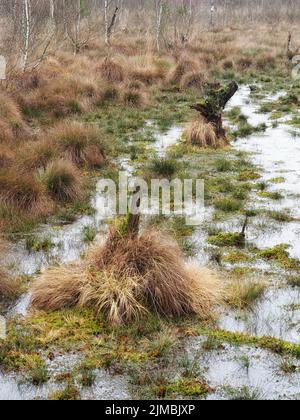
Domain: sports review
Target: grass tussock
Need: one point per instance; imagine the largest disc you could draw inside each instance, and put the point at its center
(7, 156)
(36, 154)
(194, 80)
(80, 143)
(180, 70)
(111, 71)
(12, 125)
(8, 285)
(61, 97)
(148, 75)
(242, 294)
(58, 288)
(128, 277)
(23, 193)
(203, 134)
(133, 97)
(62, 181)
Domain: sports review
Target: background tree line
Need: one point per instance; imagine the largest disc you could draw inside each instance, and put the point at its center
(30, 29)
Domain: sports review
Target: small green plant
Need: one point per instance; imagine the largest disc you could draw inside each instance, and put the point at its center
(279, 254)
(70, 393)
(294, 281)
(38, 373)
(245, 362)
(89, 234)
(228, 205)
(249, 175)
(164, 167)
(243, 394)
(280, 216)
(244, 293)
(87, 377)
(227, 239)
(223, 165)
(132, 98)
(37, 244)
(162, 344)
(271, 195)
(212, 344)
(288, 367)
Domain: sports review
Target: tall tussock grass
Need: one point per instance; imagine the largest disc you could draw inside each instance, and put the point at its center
(63, 181)
(24, 193)
(112, 71)
(80, 143)
(8, 285)
(195, 80)
(203, 134)
(181, 69)
(128, 277)
(7, 156)
(36, 154)
(12, 125)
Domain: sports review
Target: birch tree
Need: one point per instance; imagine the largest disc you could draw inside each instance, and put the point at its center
(36, 33)
(26, 30)
(159, 10)
(111, 12)
(79, 24)
(183, 21)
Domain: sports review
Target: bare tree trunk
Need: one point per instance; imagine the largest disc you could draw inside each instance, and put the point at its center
(212, 106)
(212, 12)
(27, 13)
(52, 10)
(109, 27)
(159, 14)
(106, 21)
(77, 28)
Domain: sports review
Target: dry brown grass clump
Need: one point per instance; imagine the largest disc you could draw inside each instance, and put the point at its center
(23, 193)
(61, 97)
(8, 285)
(193, 80)
(63, 181)
(203, 134)
(134, 98)
(265, 62)
(12, 125)
(128, 277)
(148, 75)
(181, 69)
(80, 143)
(6, 156)
(244, 63)
(242, 293)
(111, 71)
(58, 288)
(36, 154)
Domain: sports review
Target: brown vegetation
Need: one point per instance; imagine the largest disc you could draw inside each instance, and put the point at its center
(128, 277)
(202, 134)
(8, 285)
(112, 71)
(23, 193)
(62, 181)
(81, 144)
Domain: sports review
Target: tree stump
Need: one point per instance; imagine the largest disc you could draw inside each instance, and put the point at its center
(212, 106)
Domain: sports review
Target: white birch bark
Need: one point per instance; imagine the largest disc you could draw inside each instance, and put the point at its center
(27, 12)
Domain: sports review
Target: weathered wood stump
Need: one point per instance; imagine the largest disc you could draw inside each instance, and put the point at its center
(212, 106)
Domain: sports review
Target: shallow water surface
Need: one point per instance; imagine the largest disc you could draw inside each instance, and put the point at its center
(277, 314)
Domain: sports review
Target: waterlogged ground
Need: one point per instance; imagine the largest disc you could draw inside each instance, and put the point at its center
(263, 175)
